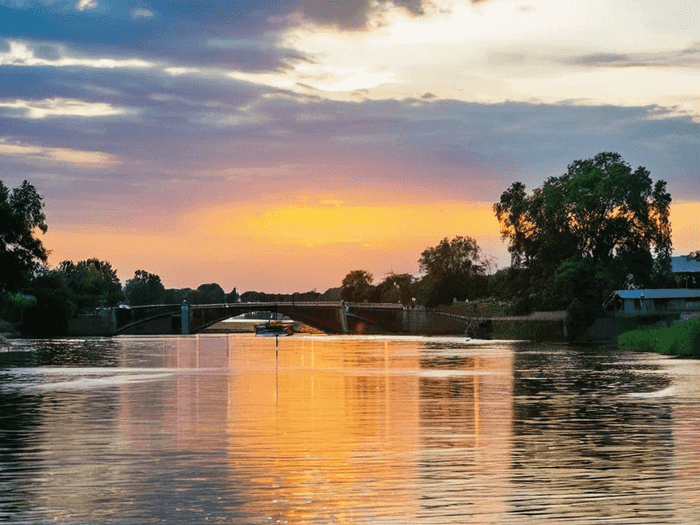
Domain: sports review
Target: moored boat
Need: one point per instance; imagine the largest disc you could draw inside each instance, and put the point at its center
(274, 329)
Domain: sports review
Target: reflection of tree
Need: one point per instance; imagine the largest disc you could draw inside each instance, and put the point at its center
(18, 462)
(578, 437)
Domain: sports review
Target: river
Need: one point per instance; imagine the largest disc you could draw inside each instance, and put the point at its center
(331, 430)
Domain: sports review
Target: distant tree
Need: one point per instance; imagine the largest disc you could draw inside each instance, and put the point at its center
(256, 297)
(592, 230)
(357, 286)
(397, 288)
(232, 296)
(21, 253)
(144, 288)
(93, 282)
(332, 294)
(210, 293)
(454, 269)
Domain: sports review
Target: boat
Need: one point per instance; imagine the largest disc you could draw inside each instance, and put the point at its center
(274, 328)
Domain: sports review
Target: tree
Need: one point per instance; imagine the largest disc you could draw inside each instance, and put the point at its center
(357, 286)
(232, 296)
(21, 253)
(94, 283)
(453, 269)
(397, 288)
(144, 288)
(211, 293)
(594, 229)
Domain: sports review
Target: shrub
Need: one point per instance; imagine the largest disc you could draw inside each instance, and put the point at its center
(681, 339)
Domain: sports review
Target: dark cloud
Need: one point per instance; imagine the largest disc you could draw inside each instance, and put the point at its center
(178, 33)
(351, 14)
(687, 57)
(186, 126)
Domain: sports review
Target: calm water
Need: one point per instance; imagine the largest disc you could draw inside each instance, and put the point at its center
(218, 429)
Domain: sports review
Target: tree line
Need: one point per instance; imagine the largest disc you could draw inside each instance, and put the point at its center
(599, 227)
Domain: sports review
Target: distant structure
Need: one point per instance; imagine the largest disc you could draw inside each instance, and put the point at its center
(652, 301)
(686, 271)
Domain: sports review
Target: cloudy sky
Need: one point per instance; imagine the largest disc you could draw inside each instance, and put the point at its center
(276, 145)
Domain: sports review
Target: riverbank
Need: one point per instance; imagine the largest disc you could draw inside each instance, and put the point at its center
(680, 339)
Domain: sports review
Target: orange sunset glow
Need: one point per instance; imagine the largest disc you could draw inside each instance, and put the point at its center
(316, 243)
(278, 146)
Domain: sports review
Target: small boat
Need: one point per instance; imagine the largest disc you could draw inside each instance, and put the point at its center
(274, 328)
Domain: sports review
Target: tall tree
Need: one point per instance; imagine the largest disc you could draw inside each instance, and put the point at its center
(144, 288)
(21, 252)
(94, 282)
(599, 226)
(357, 286)
(454, 269)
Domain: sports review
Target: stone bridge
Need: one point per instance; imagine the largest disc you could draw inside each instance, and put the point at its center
(330, 317)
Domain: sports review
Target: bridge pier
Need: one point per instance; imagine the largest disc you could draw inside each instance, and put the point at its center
(343, 313)
(185, 317)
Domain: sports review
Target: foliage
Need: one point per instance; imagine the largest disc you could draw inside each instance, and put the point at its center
(232, 296)
(332, 294)
(601, 226)
(454, 269)
(145, 288)
(357, 286)
(396, 288)
(21, 253)
(176, 295)
(54, 306)
(682, 339)
(93, 282)
(211, 293)
(581, 314)
(13, 306)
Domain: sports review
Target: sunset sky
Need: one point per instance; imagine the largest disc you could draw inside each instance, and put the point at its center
(277, 145)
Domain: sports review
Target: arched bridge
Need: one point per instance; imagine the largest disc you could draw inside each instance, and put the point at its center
(330, 317)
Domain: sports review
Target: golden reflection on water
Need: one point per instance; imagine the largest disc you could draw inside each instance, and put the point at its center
(328, 428)
(231, 429)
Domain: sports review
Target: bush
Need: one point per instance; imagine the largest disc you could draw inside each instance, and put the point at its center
(12, 307)
(681, 339)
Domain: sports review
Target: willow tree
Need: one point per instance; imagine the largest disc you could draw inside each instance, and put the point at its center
(601, 226)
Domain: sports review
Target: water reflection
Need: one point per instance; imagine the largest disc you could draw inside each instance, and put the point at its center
(343, 430)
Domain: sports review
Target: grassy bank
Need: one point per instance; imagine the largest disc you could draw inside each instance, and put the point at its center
(682, 339)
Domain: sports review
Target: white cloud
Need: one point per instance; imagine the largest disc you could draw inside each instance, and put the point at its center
(82, 5)
(49, 154)
(141, 13)
(21, 54)
(62, 107)
(496, 51)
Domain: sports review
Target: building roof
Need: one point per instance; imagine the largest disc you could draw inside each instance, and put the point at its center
(681, 264)
(659, 293)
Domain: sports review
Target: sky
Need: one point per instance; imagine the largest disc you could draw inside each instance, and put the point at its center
(277, 145)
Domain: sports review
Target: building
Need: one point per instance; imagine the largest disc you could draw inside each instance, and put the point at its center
(653, 301)
(686, 271)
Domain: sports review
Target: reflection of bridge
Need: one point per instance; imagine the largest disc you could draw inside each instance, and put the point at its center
(330, 317)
